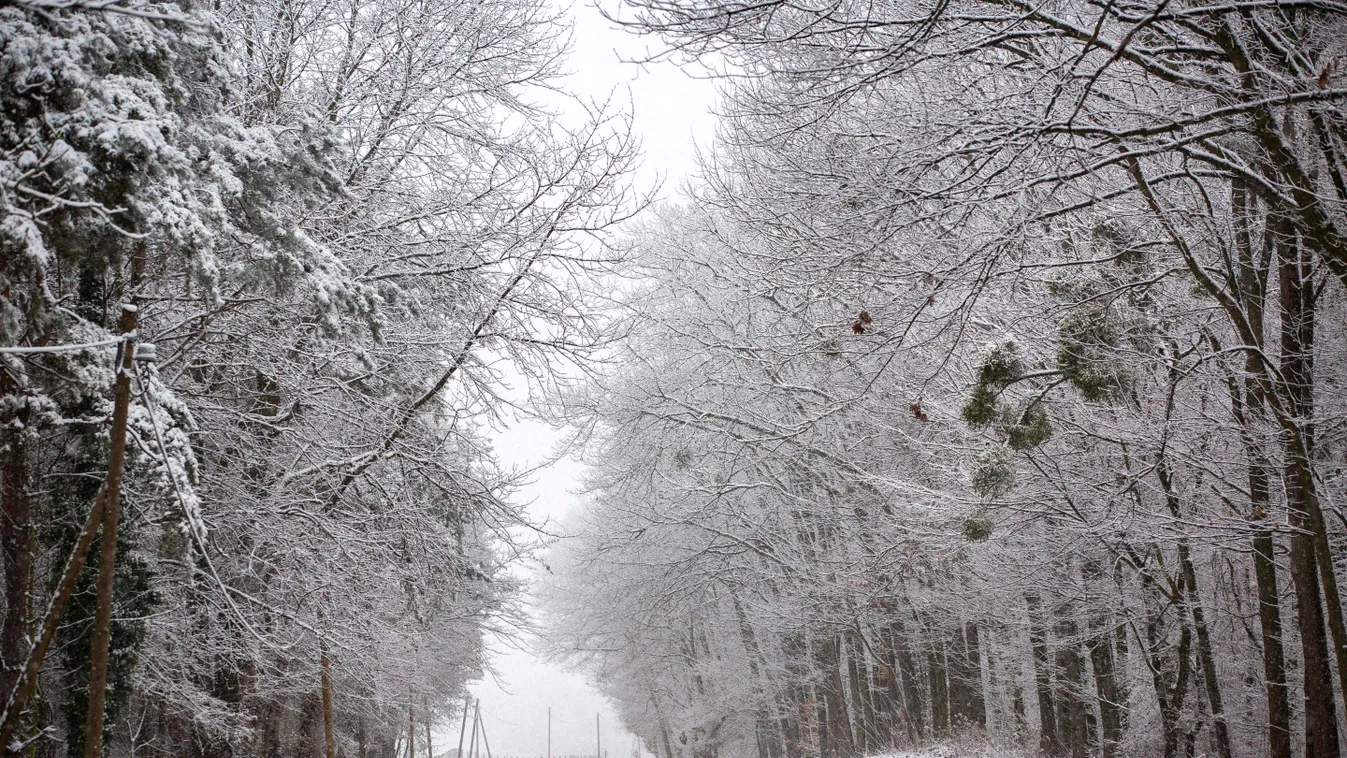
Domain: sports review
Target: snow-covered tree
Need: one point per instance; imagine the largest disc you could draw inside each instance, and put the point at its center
(339, 223)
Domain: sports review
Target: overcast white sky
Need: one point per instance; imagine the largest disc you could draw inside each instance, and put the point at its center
(672, 113)
(672, 106)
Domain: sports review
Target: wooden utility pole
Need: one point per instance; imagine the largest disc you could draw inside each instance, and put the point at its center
(462, 730)
(472, 743)
(486, 744)
(430, 749)
(549, 731)
(598, 738)
(98, 653)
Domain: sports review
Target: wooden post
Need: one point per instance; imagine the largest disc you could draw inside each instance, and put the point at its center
(486, 744)
(549, 731)
(102, 630)
(462, 730)
(472, 743)
(598, 738)
(425, 706)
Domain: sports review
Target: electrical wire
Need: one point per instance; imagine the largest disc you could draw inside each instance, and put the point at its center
(66, 348)
(194, 530)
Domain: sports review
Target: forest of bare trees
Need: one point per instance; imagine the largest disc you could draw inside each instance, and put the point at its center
(990, 387)
(987, 385)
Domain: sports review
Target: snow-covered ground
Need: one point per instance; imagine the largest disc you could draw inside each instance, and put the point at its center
(953, 750)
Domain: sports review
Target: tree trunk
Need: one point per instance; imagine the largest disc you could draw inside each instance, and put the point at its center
(1250, 409)
(1193, 603)
(1120, 660)
(968, 706)
(329, 731)
(15, 535)
(1106, 688)
(885, 692)
(839, 741)
(1297, 369)
(22, 690)
(1048, 740)
(1074, 727)
(1170, 681)
(767, 735)
(1205, 653)
(860, 687)
(1274, 659)
(664, 737)
(906, 664)
(937, 671)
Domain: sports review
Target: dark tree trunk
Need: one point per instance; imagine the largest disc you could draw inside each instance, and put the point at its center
(1170, 697)
(1297, 369)
(1274, 659)
(795, 719)
(968, 706)
(1106, 688)
(1249, 405)
(838, 740)
(329, 726)
(1073, 719)
(1205, 654)
(1048, 740)
(859, 684)
(664, 738)
(767, 734)
(1120, 659)
(1193, 602)
(15, 536)
(939, 686)
(906, 663)
(890, 728)
(1169, 675)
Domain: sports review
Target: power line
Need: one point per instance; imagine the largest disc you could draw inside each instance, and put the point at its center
(67, 348)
